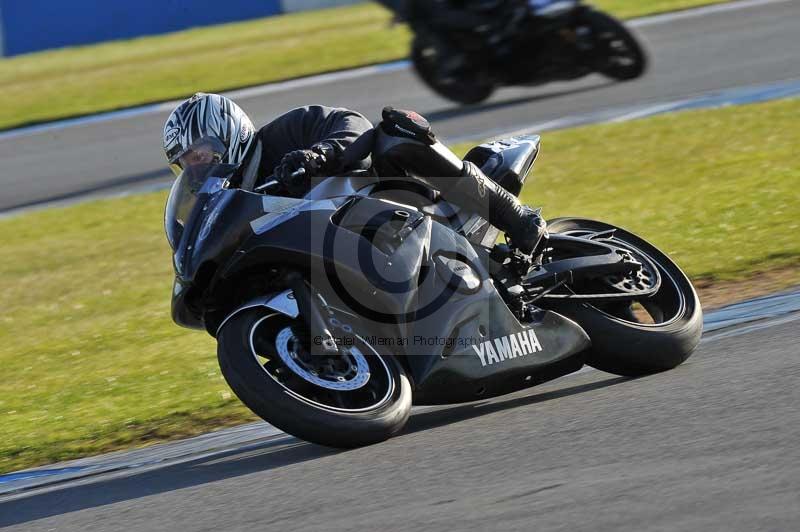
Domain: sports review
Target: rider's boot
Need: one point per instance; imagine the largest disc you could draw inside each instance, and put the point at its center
(476, 192)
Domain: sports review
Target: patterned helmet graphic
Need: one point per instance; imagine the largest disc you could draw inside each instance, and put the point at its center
(208, 116)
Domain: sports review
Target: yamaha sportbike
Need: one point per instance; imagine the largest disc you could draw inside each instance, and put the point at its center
(336, 311)
(518, 44)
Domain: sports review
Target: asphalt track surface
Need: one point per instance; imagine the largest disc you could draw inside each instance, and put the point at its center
(711, 445)
(691, 54)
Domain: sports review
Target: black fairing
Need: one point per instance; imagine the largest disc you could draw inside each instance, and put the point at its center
(216, 229)
(382, 262)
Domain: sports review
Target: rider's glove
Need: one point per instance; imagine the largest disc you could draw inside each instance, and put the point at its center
(316, 161)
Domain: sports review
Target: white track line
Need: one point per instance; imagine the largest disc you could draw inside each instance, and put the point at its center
(738, 331)
(332, 77)
(713, 9)
(165, 107)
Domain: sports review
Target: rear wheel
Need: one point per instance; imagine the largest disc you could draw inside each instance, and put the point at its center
(448, 72)
(634, 337)
(357, 398)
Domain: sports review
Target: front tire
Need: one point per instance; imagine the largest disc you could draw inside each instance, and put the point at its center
(252, 353)
(623, 342)
(616, 52)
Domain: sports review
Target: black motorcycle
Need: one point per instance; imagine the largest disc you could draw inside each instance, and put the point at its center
(517, 45)
(334, 312)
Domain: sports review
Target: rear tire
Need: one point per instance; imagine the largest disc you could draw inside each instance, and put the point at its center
(309, 418)
(620, 345)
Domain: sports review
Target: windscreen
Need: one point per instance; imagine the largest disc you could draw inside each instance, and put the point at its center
(188, 188)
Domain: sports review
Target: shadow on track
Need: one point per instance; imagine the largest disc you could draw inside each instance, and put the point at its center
(270, 455)
(456, 112)
(263, 457)
(456, 414)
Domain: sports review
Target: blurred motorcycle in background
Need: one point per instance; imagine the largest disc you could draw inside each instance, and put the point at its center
(465, 50)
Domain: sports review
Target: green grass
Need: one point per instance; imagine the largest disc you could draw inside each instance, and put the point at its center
(88, 79)
(92, 362)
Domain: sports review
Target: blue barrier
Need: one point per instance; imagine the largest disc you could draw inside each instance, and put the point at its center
(32, 25)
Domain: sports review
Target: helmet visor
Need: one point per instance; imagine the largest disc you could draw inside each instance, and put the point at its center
(207, 150)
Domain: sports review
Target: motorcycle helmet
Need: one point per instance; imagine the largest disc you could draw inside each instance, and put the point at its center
(207, 128)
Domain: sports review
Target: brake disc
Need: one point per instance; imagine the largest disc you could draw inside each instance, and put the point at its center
(358, 365)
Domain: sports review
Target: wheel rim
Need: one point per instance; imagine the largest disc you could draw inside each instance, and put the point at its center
(361, 382)
(666, 306)
(617, 53)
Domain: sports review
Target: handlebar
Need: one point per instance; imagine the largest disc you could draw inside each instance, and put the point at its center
(268, 184)
(300, 172)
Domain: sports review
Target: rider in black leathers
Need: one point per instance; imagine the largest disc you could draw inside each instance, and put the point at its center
(210, 127)
(314, 137)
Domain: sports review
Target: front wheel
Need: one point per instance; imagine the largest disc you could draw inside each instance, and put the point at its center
(356, 398)
(634, 337)
(615, 52)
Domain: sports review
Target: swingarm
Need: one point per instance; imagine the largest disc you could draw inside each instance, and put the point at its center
(613, 272)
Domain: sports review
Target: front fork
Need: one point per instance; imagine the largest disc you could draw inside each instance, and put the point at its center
(309, 306)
